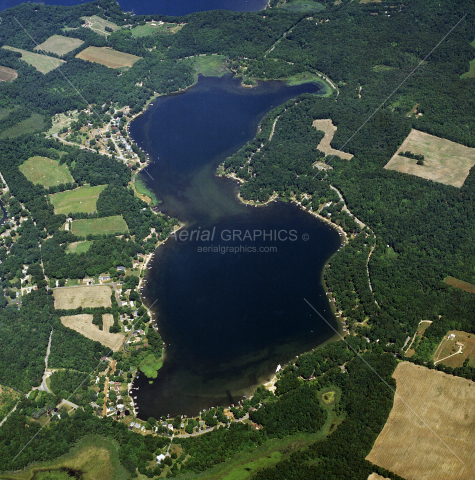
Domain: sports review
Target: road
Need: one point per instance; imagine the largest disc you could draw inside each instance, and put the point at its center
(43, 385)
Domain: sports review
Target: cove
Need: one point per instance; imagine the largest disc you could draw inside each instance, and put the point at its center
(229, 309)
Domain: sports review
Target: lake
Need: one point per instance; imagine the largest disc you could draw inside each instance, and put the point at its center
(162, 7)
(227, 318)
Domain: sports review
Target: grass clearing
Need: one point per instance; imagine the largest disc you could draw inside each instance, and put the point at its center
(82, 199)
(59, 45)
(61, 120)
(375, 476)
(69, 298)
(326, 126)
(465, 286)
(153, 28)
(303, 6)
(7, 74)
(79, 247)
(141, 191)
(33, 124)
(83, 325)
(307, 77)
(444, 161)
(108, 56)
(150, 366)
(42, 63)
(423, 326)
(114, 225)
(382, 68)
(46, 172)
(432, 417)
(448, 347)
(92, 458)
(210, 65)
(98, 25)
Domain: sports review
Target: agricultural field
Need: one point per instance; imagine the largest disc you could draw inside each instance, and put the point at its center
(448, 347)
(326, 126)
(465, 286)
(91, 458)
(108, 56)
(104, 226)
(33, 124)
(45, 171)
(444, 161)
(83, 325)
(42, 63)
(59, 45)
(69, 298)
(152, 28)
(98, 25)
(7, 74)
(79, 247)
(82, 199)
(429, 434)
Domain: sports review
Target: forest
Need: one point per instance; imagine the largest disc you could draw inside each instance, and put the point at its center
(382, 59)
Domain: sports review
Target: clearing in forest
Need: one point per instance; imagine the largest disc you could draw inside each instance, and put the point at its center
(375, 476)
(448, 346)
(444, 161)
(79, 247)
(326, 126)
(42, 63)
(114, 225)
(59, 45)
(69, 298)
(7, 74)
(100, 25)
(33, 124)
(83, 325)
(430, 431)
(108, 56)
(151, 28)
(416, 339)
(465, 286)
(46, 172)
(82, 199)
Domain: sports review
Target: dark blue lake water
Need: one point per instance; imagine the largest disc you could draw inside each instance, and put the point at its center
(163, 7)
(227, 318)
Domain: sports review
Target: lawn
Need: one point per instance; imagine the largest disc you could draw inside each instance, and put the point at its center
(42, 63)
(82, 199)
(79, 247)
(30, 125)
(59, 45)
(150, 366)
(45, 171)
(102, 226)
(448, 347)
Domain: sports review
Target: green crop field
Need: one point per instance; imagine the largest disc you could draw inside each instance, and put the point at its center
(103, 225)
(82, 199)
(42, 63)
(45, 171)
(79, 247)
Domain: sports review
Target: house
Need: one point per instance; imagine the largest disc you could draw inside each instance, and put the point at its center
(160, 458)
(451, 336)
(459, 344)
(121, 269)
